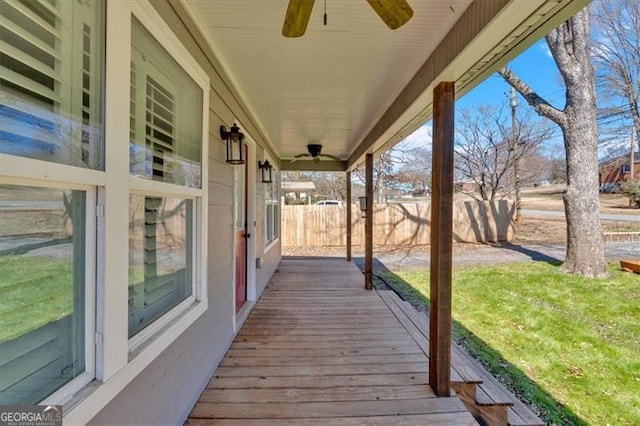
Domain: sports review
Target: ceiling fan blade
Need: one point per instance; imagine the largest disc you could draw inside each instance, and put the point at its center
(299, 156)
(394, 13)
(333, 157)
(297, 17)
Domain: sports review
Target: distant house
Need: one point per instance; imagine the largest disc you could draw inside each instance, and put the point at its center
(295, 192)
(466, 185)
(618, 169)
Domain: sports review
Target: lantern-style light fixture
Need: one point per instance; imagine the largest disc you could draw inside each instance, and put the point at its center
(265, 169)
(363, 205)
(235, 144)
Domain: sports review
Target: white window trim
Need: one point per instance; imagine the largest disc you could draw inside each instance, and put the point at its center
(120, 359)
(269, 244)
(31, 169)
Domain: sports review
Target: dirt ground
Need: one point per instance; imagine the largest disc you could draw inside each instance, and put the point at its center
(554, 230)
(550, 198)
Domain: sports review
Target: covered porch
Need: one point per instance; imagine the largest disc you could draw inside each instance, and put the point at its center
(318, 345)
(318, 348)
(346, 92)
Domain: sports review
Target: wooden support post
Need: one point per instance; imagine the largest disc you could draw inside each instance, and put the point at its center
(441, 239)
(348, 206)
(368, 224)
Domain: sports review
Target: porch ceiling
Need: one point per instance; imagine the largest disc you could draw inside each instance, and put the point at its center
(354, 85)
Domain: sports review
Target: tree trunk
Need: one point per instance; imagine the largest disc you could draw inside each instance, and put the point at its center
(585, 247)
(569, 45)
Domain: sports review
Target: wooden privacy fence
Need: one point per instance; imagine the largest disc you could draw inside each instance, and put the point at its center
(395, 224)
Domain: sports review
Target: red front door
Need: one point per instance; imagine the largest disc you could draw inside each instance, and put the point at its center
(241, 235)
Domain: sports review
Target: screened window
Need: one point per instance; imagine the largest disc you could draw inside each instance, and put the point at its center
(166, 115)
(51, 59)
(42, 291)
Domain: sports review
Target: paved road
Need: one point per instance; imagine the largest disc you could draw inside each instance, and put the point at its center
(603, 216)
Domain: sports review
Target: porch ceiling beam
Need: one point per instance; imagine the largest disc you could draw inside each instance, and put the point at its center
(477, 30)
(311, 166)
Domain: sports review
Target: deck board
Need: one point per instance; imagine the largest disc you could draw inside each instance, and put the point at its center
(319, 349)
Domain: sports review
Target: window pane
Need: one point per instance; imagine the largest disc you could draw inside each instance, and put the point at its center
(166, 115)
(240, 187)
(51, 66)
(276, 204)
(272, 213)
(269, 222)
(160, 257)
(42, 290)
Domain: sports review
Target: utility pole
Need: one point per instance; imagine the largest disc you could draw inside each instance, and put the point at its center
(632, 160)
(516, 151)
(633, 155)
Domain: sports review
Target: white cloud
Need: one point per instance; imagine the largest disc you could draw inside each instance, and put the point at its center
(420, 137)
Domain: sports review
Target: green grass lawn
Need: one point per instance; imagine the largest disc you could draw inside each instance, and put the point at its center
(33, 292)
(570, 346)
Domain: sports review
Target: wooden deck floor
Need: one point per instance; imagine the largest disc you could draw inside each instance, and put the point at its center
(319, 349)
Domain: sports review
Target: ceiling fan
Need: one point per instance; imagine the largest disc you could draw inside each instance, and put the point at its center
(394, 13)
(315, 152)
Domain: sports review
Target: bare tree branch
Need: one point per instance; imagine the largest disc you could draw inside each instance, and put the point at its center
(542, 106)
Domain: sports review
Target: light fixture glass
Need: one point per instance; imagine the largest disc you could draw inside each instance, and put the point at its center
(363, 205)
(265, 169)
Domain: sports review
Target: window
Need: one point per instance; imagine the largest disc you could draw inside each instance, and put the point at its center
(165, 148)
(272, 209)
(43, 290)
(69, 210)
(160, 257)
(51, 75)
(165, 117)
(626, 168)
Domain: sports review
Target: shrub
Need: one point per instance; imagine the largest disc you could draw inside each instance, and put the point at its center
(631, 188)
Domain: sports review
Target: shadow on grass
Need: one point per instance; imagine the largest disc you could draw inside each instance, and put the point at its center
(527, 390)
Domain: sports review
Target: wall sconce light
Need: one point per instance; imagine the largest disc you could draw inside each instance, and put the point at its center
(235, 144)
(265, 169)
(363, 206)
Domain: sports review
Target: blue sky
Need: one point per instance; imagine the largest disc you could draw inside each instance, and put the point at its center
(535, 66)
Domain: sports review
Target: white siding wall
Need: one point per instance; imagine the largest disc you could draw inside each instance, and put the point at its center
(165, 392)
